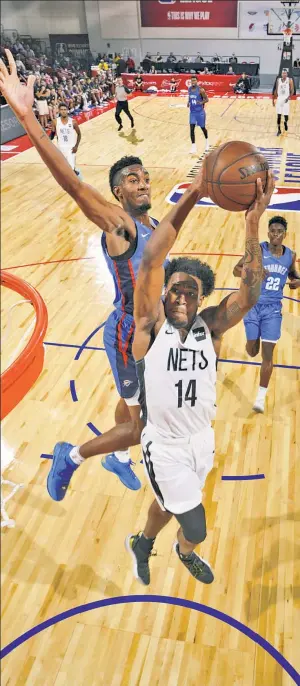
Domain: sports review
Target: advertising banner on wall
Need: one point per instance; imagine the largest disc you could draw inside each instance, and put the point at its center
(186, 13)
(10, 126)
(70, 44)
(153, 83)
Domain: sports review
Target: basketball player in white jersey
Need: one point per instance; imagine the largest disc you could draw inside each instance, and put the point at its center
(68, 135)
(283, 90)
(175, 352)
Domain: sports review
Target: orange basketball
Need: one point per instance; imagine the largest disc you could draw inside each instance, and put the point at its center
(231, 174)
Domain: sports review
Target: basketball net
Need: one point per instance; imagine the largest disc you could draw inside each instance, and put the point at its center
(5, 520)
(287, 35)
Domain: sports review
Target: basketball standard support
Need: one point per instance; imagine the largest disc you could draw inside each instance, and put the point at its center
(286, 61)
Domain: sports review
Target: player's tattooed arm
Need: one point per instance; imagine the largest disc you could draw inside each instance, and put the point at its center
(107, 216)
(234, 307)
(237, 269)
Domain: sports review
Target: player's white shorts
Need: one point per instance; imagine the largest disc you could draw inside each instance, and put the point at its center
(282, 107)
(69, 155)
(177, 467)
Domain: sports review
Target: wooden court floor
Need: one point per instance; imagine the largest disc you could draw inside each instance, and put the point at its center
(62, 555)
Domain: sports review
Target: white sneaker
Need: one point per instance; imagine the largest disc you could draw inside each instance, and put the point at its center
(259, 405)
(193, 150)
(207, 146)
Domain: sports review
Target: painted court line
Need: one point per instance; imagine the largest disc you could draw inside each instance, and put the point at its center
(249, 477)
(73, 391)
(94, 257)
(71, 345)
(165, 600)
(82, 347)
(94, 429)
(33, 264)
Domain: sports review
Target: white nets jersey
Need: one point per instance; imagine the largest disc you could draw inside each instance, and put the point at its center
(178, 381)
(66, 134)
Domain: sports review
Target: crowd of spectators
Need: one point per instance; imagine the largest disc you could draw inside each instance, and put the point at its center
(172, 59)
(65, 80)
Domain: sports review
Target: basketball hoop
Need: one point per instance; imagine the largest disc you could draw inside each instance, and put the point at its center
(20, 376)
(287, 35)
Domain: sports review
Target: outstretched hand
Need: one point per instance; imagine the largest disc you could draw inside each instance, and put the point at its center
(200, 182)
(19, 96)
(262, 199)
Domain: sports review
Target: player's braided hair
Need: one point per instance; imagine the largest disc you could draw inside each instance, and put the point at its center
(278, 220)
(114, 177)
(193, 267)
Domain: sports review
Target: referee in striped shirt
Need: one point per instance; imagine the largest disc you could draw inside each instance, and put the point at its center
(121, 94)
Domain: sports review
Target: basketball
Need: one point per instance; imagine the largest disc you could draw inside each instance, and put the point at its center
(231, 174)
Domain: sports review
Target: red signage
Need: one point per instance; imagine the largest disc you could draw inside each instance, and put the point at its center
(161, 82)
(199, 13)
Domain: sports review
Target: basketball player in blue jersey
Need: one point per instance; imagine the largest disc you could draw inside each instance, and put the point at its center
(196, 103)
(263, 321)
(127, 228)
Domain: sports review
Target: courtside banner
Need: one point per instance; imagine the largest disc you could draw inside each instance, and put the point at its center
(161, 83)
(199, 13)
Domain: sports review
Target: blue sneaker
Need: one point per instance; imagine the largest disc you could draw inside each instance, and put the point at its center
(61, 471)
(122, 470)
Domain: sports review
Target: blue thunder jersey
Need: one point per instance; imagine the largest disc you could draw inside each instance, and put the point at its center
(195, 100)
(278, 268)
(124, 268)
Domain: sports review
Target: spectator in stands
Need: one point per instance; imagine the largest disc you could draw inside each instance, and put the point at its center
(297, 62)
(233, 58)
(171, 58)
(130, 63)
(139, 83)
(242, 85)
(199, 58)
(148, 56)
(41, 97)
(53, 104)
(230, 71)
(121, 66)
(185, 59)
(103, 65)
(18, 47)
(20, 65)
(173, 85)
(158, 57)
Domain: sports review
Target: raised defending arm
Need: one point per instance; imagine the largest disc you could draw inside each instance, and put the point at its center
(104, 214)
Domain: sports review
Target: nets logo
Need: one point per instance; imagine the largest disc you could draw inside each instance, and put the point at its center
(283, 199)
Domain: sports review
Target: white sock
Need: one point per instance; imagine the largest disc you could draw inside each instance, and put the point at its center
(262, 392)
(75, 455)
(122, 455)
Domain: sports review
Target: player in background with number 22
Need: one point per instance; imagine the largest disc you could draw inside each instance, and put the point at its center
(263, 321)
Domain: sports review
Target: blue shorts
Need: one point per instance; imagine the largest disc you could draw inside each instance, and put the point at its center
(198, 118)
(118, 337)
(264, 321)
